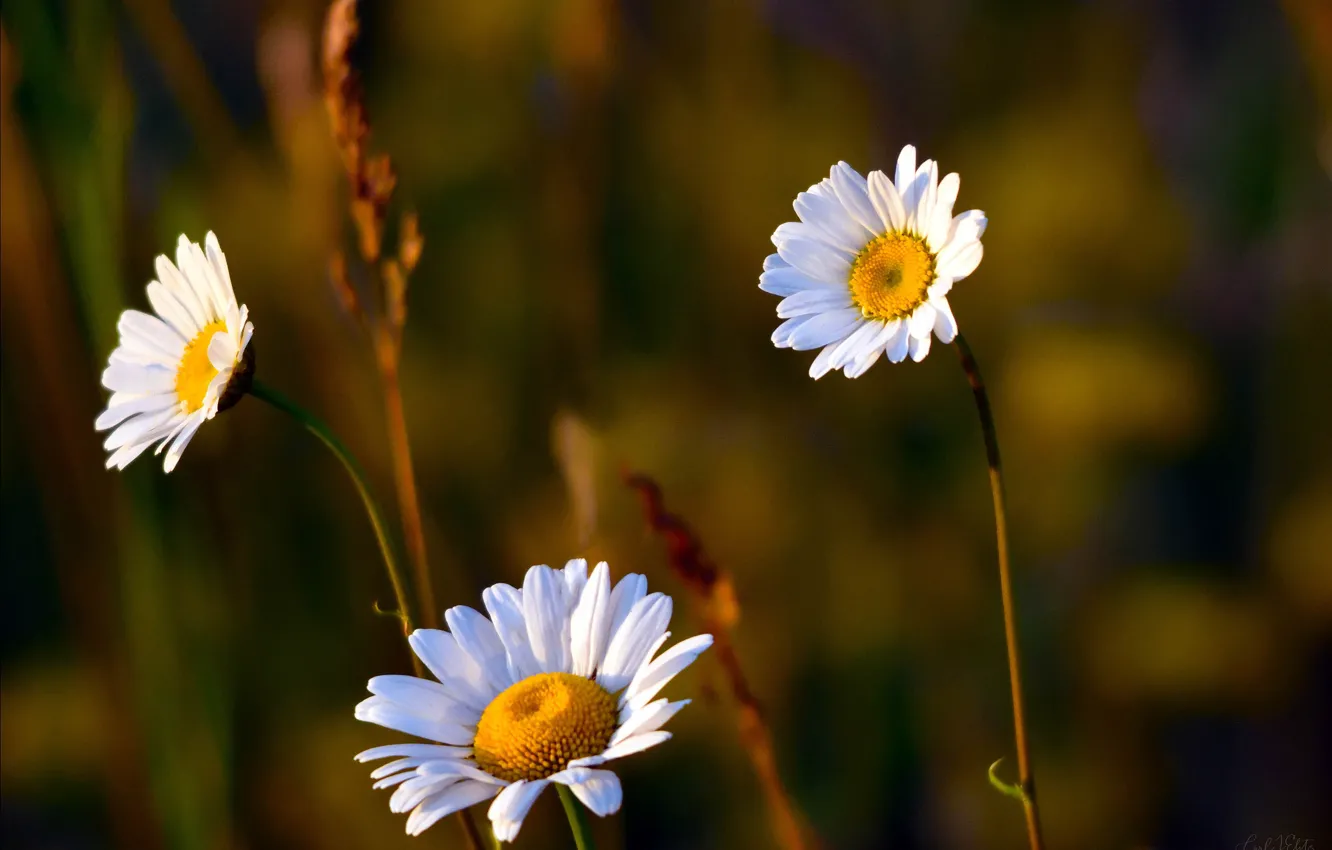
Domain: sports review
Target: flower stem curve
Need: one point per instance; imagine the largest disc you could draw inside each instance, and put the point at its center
(1026, 782)
(330, 440)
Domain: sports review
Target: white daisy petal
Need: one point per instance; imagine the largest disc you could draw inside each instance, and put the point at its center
(222, 352)
(424, 752)
(546, 611)
(887, 201)
(782, 336)
(122, 457)
(818, 300)
(629, 645)
(945, 326)
(455, 669)
(203, 271)
(575, 577)
(829, 216)
(387, 713)
(856, 343)
(815, 259)
(824, 328)
(960, 263)
(625, 709)
(599, 790)
(125, 378)
(590, 623)
(626, 594)
(853, 192)
(148, 427)
(649, 718)
(123, 406)
(458, 768)
(822, 364)
(896, 346)
(788, 281)
(199, 276)
(243, 320)
(423, 694)
(636, 744)
(920, 346)
(868, 357)
(452, 799)
(417, 788)
(505, 605)
(921, 321)
(395, 779)
(929, 194)
(178, 443)
(800, 231)
(476, 636)
(772, 262)
(137, 353)
(917, 198)
(656, 675)
(174, 429)
(394, 767)
(905, 173)
(965, 227)
(824, 189)
(886, 331)
(172, 311)
(512, 805)
(861, 366)
(175, 283)
(940, 221)
(219, 261)
(154, 332)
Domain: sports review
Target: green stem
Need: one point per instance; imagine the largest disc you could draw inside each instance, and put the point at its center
(578, 824)
(472, 835)
(326, 436)
(493, 843)
(348, 461)
(1026, 782)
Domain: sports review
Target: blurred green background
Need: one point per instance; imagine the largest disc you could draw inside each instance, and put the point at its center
(597, 182)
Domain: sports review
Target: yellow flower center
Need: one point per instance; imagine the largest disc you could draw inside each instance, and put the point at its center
(891, 275)
(196, 371)
(537, 726)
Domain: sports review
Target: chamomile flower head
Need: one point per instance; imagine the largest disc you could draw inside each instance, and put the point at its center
(867, 269)
(176, 369)
(559, 680)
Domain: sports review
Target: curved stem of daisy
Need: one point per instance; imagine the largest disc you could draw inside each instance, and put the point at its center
(372, 509)
(1026, 782)
(578, 823)
(472, 835)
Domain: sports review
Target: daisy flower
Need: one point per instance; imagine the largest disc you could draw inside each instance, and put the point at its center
(175, 370)
(557, 682)
(867, 269)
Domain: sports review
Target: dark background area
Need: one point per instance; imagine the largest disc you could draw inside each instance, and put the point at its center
(596, 183)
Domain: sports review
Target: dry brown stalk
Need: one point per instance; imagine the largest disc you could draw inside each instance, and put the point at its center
(575, 450)
(371, 181)
(714, 594)
(371, 178)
